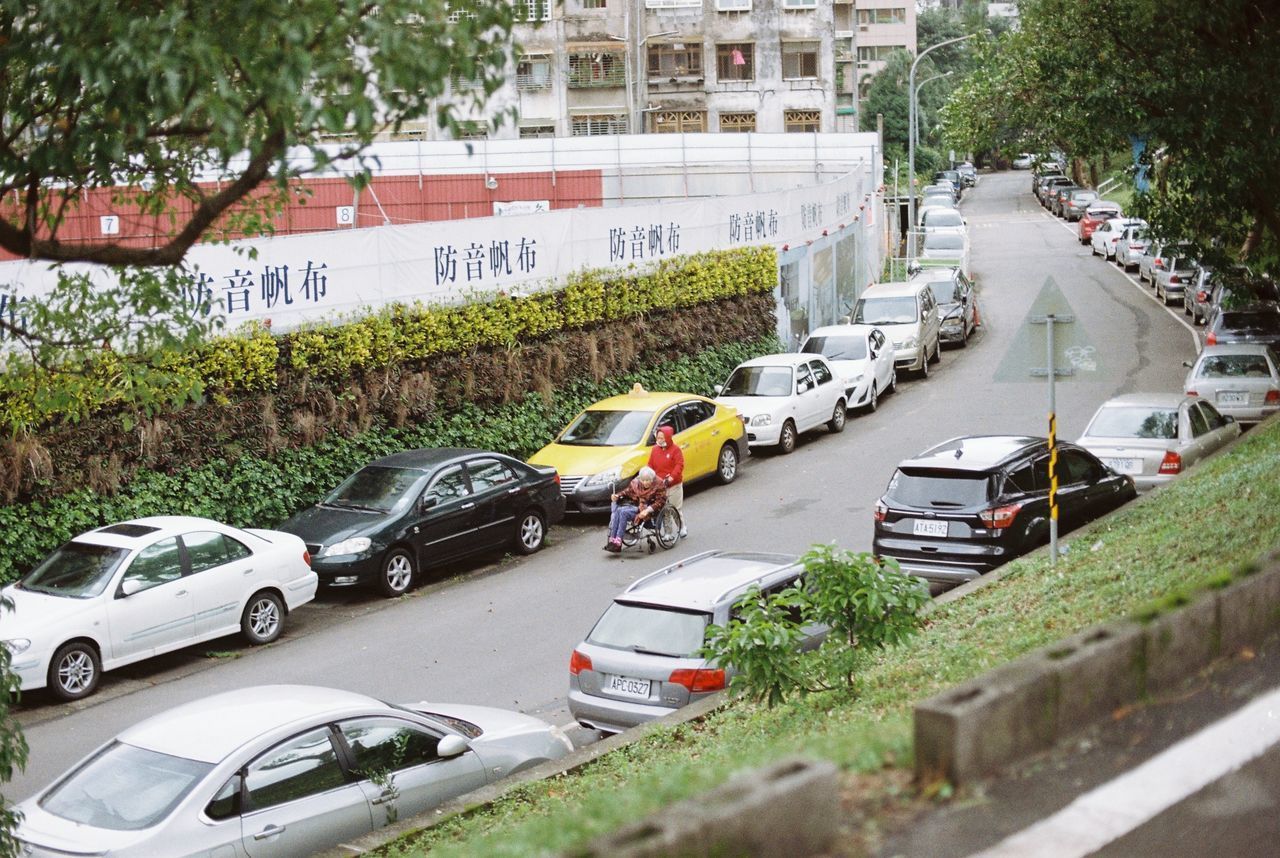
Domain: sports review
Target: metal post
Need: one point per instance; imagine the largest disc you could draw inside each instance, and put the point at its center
(1053, 449)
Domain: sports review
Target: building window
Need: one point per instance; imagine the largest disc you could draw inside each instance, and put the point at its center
(467, 84)
(471, 129)
(677, 59)
(456, 10)
(799, 60)
(595, 124)
(672, 4)
(882, 16)
(533, 72)
(737, 122)
(532, 10)
(875, 53)
(531, 131)
(799, 4)
(802, 120)
(733, 5)
(736, 61)
(595, 4)
(597, 68)
(677, 121)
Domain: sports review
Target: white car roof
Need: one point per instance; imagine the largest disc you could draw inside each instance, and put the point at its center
(891, 290)
(157, 527)
(212, 728)
(789, 359)
(842, 331)
(1154, 400)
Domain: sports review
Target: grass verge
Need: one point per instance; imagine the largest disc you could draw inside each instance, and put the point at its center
(1139, 560)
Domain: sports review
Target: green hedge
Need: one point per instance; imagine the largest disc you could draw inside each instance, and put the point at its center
(262, 492)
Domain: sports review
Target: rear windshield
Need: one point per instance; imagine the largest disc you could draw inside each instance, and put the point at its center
(943, 217)
(1257, 322)
(1134, 421)
(939, 489)
(1083, 195)
(943, 241)
(650, 629)
(886, 311)
(945, 291)
(1234, 366)
(837, 348)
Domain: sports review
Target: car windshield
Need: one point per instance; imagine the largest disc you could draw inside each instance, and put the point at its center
(943, 241)
(124, 788)
(1134, 421)
(886, 311)
(938, 489)
(943, 217)
(944, 291)
(759, 381)
(78, 570)
(1234, 366)
(649, 629)
(601, 428)
(837, 348)
(1083, 196)
(1102, 214)
(375, 488)
(1255, 322)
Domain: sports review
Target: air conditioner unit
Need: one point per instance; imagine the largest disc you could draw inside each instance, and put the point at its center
(864, 27)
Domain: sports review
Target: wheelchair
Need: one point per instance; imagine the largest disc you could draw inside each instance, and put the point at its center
(661, 531)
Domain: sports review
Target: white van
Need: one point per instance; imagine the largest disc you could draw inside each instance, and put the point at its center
(908, 313)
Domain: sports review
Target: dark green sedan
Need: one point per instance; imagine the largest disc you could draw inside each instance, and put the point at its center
(402, 513)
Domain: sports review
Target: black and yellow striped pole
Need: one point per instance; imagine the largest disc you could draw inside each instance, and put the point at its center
(1050, 319)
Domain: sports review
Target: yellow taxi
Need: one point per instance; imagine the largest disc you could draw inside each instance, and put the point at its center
(610, 441)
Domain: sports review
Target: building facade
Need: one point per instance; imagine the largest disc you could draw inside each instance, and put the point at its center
(599, 67)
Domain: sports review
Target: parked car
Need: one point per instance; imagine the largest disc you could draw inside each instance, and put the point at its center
(862, 356)
(968, 174)
(952, 176)
(942, 189)
(938, 219)
(1238, 287)
(1132, 244)
(403, 513)
(1195, 298)
(140, 588)
(908, 313)
(1040, 183)
(1077, 202)
(1095, 215)
(933, 201)
(276, 770)
(1022, 161)
(1058, 199)
(610, 442)
(782, 396)
(957, 303)
(1256, 323)
(945, 247)
(1153, 437)
(1050, 186)
(1106, 237)
(968, 505)
(1242, 380)
(1171, 272)
(641, 660)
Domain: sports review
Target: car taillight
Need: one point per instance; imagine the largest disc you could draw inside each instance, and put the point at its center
(557, 478)
(1192, 393)
(1273, 397)
(881, 511)
(1171, 464)
(1211, 338)
(1158, 262)
(700, 680)
(1174, 278)
(1000, 517)
(579, 662)
(306, 557)
(1202, 296)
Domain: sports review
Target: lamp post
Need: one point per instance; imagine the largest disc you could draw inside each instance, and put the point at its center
(911, 143)
(915, 130)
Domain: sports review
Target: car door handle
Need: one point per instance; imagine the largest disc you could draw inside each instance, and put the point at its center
(269, 832)
(384, 798)
(248, 571)
(468, 505)
(514, 491)
(179, 594)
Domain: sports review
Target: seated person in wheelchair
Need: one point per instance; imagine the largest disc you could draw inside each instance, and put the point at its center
(640, 500)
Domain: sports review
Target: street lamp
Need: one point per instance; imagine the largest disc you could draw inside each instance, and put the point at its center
(911, 143)
(915, 130)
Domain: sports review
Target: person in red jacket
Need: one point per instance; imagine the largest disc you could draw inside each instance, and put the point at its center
(667, 462)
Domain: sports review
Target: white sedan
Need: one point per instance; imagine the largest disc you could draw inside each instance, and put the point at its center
(129, 591)
(1107, 235)
(1153, 437)
(276, 770)
(863, 358)
(780, 396)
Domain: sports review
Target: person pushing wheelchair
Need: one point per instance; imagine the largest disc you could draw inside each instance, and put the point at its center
(640, 501)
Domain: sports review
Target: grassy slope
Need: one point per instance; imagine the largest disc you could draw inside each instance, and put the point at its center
(1221, 516)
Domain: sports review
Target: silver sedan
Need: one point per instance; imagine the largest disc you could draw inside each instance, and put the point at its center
(1242, 379)
(273, 771)
(1153, 437)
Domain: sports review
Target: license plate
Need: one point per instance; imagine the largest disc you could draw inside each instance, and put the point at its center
(1227, 397)
(929, 528)
(625, 686)
(1124, 466)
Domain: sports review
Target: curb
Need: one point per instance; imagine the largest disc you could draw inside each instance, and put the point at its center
(1027, 705)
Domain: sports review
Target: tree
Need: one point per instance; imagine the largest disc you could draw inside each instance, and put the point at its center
(199, 116)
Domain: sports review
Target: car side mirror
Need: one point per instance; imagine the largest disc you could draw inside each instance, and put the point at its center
(719, 389)
(451, 746)
(129, 586)
(427, 502)
(1187, 364)
(1228, 418)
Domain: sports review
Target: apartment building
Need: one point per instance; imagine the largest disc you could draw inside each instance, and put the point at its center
(599, 67)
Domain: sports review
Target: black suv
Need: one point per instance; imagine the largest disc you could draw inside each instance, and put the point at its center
(968, 505)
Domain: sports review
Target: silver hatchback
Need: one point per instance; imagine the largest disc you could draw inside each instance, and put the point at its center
(1241, 379)
(642, 660)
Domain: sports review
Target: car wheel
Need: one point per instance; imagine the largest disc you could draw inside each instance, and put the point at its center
(836, 423)
(397, 573)
(1186, 309)
(924, 369)
(787, 438)
(263, 618)
(727, 464)
(937, 351)
(74, 671)
(874, 402)
(1093, 251)
(531, 532)
(893, 381)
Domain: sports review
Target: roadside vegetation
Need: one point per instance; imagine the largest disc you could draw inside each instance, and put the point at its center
(1127, 565)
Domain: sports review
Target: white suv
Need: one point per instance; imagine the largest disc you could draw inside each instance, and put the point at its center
(908, 313)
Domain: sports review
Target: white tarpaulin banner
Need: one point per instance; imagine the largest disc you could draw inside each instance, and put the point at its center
(320, 276)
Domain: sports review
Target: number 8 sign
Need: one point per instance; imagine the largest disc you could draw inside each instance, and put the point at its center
(346, 215)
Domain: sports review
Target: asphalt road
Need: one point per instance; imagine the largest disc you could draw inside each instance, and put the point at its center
(500, 634)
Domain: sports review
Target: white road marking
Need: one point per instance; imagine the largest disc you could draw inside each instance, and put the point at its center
(1177, 317)
(1114, 809)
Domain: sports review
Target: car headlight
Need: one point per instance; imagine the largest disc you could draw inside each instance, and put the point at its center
(951, 322)
(761, 420)
(17, 645)
(604, 477)
(908, 343)
(354, 545)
